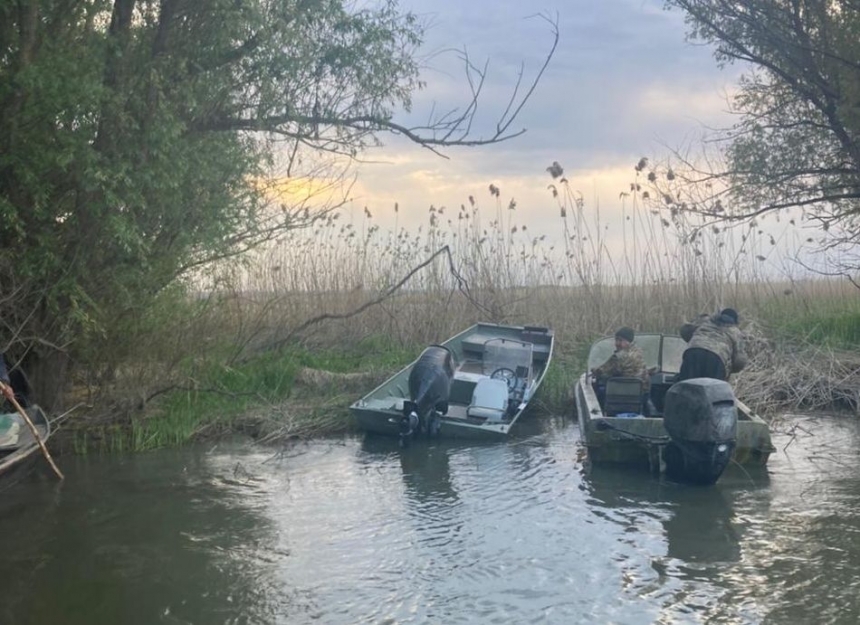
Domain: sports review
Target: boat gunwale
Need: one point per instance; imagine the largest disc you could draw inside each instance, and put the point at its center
(585, 399)
(461, 424)
(11, 458)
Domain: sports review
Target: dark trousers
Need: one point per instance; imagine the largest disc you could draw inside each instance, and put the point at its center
(701, 363)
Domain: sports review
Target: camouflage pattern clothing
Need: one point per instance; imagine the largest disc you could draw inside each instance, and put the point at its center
(724, 340)
(628, 363)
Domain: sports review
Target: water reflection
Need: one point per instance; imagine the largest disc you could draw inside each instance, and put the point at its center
(806, 552)
(425, 466)
(697, 522)
(141, 540)
(359, 531)
(701, 529)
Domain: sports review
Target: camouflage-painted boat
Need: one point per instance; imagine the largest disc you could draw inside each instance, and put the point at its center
(618, 432)
(497, 370)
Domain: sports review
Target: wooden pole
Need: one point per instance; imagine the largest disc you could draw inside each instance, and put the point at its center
(10, 395)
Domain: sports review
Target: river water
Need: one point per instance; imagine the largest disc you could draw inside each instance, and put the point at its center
(358, 531)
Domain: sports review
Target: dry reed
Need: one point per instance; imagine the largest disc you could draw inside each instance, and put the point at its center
(669, 269)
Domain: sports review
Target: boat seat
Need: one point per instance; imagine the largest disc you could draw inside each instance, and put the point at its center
(489, 400)
(622, 395)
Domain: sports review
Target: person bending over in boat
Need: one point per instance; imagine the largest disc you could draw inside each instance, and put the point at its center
(626, 361)
(716, 346)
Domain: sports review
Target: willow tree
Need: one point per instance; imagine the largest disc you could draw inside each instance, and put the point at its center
(134, 134)
(796, 145)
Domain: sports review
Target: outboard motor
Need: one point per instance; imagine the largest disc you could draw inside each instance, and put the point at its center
(701, 417)
(429, 390)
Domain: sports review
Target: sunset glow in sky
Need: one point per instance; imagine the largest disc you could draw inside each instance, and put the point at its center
(623, 84)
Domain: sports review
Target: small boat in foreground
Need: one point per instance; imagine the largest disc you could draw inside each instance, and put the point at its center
(690, 430)
(493, 373)
(18, 447)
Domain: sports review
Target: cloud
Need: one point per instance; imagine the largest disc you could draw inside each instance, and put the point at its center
(623, 84)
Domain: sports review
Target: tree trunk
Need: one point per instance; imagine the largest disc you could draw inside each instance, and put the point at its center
(47, 372)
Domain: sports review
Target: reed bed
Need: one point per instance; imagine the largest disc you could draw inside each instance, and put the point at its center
(798, 375)
(668, 270)
(370, 298)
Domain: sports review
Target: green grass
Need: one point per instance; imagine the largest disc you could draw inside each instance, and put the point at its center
(826, 323)
(222, 395)
(568, 363)
(841, 329)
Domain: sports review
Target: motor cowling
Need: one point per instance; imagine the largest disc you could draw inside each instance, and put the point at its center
(430, 380)
(429, 391)
(701, 417)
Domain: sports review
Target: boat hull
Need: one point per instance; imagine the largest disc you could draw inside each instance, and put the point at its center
(16, 463)
(641, 441)
(381, 410)
(387, 422)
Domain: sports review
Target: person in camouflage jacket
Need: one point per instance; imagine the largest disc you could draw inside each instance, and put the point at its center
(626, 361)
(716, 347)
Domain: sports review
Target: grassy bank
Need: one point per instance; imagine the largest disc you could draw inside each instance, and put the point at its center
(295, 391)
(303, 389)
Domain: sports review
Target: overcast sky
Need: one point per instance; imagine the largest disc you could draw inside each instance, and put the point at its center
(624, 83)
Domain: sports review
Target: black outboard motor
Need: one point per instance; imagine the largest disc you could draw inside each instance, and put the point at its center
(429, 390)
(702, 419)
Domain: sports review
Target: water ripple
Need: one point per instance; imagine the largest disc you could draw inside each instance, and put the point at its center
(360, 531)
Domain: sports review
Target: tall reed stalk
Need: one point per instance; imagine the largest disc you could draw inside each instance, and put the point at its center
(651, 269)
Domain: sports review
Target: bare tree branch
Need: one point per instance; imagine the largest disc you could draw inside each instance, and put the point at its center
(462, 286)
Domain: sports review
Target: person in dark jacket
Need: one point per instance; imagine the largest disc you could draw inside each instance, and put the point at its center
(15, 383)
(716, 347)
(6, 387)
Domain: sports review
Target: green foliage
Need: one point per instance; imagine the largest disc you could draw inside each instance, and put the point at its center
(133, 136)
(218, 395)
(142, 140)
